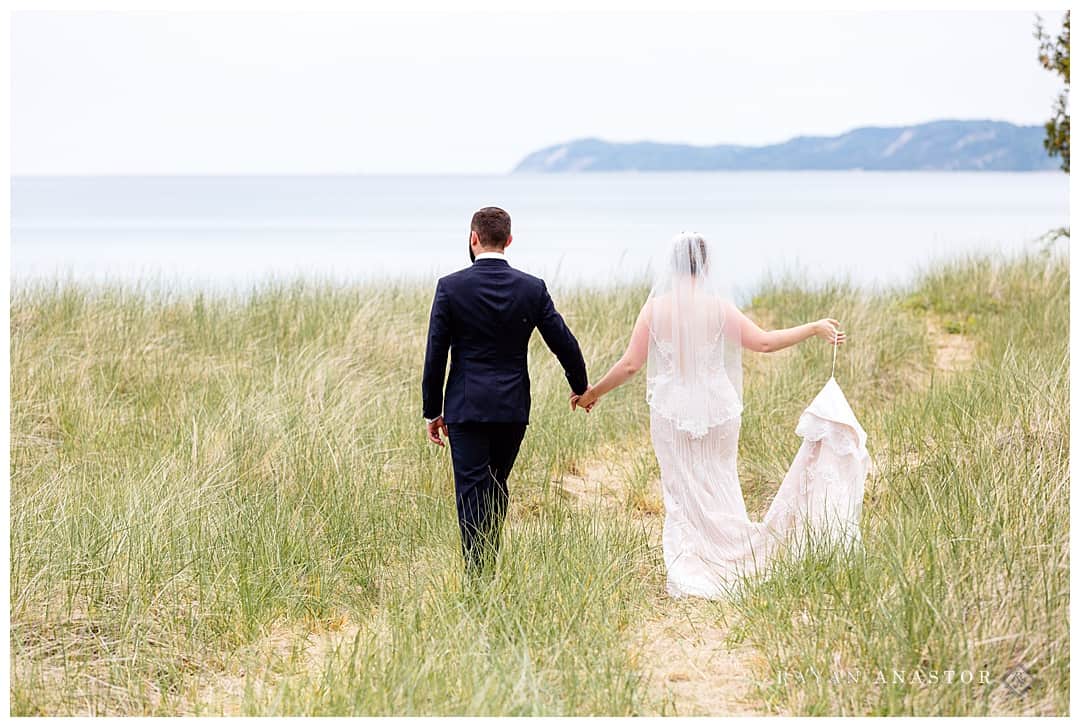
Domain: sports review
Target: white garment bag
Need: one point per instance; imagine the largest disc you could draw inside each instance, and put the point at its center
(820, 499)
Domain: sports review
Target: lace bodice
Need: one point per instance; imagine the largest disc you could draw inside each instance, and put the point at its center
(695, 400)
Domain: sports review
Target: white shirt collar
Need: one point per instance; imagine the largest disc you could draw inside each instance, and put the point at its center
(495, 255)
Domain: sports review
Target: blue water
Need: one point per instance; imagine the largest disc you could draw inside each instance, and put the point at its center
(228, 232)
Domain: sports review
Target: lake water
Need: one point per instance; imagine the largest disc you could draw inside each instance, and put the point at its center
(229, 232)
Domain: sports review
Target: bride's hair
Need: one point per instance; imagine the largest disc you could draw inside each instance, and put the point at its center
(689, 253)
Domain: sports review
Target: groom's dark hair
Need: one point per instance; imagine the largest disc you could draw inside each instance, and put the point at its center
(492, 226)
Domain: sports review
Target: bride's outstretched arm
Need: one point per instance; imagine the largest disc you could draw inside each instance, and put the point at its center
(631, 362)
(756, 339)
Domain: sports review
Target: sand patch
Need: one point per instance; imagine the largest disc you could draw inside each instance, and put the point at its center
(681, 645)
(952, 351)
(691, 668)
(285, 649)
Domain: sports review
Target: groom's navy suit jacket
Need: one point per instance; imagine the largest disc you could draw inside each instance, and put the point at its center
(484, 316)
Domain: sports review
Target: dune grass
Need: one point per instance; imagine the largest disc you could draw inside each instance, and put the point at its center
(966, 558)
(194, 477)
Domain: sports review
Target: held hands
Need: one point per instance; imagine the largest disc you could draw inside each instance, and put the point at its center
(436, 426)
(586, 401)
(829, 329)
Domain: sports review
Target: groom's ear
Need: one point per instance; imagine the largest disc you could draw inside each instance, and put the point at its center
(509, 239)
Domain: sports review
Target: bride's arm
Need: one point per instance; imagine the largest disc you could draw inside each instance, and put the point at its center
(755, 339)
(631, 362)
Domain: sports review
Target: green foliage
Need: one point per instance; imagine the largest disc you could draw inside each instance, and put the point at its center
(1054, 57)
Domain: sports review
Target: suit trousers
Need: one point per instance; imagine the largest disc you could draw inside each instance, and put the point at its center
(483, 454)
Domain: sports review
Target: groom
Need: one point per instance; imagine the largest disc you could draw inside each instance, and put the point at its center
(484, 316)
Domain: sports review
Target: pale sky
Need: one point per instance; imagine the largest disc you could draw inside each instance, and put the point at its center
(197, 93)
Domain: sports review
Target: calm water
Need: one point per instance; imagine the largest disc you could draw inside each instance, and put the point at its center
(232, 231)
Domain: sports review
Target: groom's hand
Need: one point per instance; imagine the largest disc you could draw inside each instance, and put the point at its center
(434, 427)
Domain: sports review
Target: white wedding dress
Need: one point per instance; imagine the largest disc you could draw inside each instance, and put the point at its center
(695, 399)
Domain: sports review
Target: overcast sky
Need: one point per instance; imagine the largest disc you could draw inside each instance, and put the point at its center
(420, 93)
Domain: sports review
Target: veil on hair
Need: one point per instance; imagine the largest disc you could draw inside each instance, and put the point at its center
(695, 352)
(694, 391)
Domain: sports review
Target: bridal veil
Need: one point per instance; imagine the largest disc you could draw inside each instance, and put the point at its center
(695, 353)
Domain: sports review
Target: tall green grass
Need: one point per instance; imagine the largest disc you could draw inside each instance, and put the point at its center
(193, 476)
(965, 564)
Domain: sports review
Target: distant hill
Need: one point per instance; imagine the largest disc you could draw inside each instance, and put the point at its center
(937, 145)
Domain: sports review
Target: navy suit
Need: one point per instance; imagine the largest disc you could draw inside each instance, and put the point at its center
(483, 317)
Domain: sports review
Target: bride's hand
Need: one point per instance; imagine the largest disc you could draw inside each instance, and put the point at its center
(828, 328)
(586, 401)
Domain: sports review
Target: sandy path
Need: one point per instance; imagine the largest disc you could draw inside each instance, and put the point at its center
(681, 644)
(952, 351)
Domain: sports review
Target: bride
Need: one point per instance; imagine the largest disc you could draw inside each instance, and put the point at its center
(691, 334)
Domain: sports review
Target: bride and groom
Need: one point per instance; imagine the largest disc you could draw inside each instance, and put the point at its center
(690, 335)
